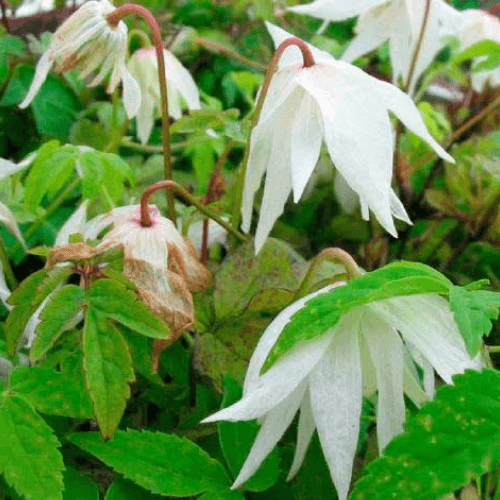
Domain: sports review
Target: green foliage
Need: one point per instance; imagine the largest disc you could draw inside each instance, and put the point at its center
(78, 486)
(451, 440)
(28, 297)
(51, 392)
(322, 313)
(9, 46)
(161, 463)
(108, 370)
(29, 455)
(236, 439)
(473, 311)
(122, 489)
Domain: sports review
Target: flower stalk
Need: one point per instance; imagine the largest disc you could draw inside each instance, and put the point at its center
(172, 186)
(138, 10)
(335, 256)
(309, 61)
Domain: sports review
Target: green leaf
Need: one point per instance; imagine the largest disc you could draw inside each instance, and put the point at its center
(29, 455)
(223, 495)
(108, 370)
(27, 298)
(165, 464)
(473, 312)
(452, 439)
(324, 311)
(9, 46)
(482, 48)
(51, 392)
(244, 275)
(200, 120)
(236, 439)
(122, 489)
(58, 316)
(78, 486)
(113, 300)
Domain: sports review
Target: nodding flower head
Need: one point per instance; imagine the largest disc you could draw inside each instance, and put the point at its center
(88, 43)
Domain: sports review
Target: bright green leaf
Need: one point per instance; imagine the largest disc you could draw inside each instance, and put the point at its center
(79, 486)
(58, 316)
(323, 312)
(51, 392)
(29, 455)
(123, 489)
(111, 299)
(450, 440)
(165, 464)
(108, 370)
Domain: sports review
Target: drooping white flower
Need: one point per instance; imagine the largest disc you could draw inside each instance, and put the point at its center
(476, 26)
(87, 42)
(400, 22)
(348, 109)
(325, 378)
(143, 66)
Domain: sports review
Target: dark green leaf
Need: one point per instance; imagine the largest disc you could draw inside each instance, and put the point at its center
(27, 298)
(122, 489)
(236, 439)
(223, 495)
(450, 440)
(113, 300)
(324, 311)
(473, 311)
(52, 393)
(78, 486)
(165, 464)
(59, 315)
(108, 370)
(29, 455)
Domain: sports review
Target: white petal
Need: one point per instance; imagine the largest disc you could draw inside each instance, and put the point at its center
(335, 10)
(131, 93)
(348, 199)
(336, 396)
(397, 208)
(306, 137)
(4, 289)
(427, 322)
(42, 70)
(8, 168)
(75, 224)
(277, 383)
(145, 118)
(273, 427)
(386, 350)
(403, 107)
(270, 336)
(412, 389)
(305, 432)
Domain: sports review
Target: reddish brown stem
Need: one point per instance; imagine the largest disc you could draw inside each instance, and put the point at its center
(138, 10)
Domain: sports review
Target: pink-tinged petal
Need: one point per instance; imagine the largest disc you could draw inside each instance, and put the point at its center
(404, 108)
(427, 322)
(277, 383)
(386, 350)
(273, 427)
(335, 10)
(306, 137)
(336, 395)
(305, 432)
(42, 70)
(270, 336)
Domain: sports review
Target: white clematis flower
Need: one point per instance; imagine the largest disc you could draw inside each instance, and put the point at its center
(143, 66)
(87, 42)
(476, 26)
(325, 378)
(348, 109)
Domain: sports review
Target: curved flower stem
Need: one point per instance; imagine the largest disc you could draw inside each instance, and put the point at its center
(138, 10)
(217, 47)
(416, 52)
(271, 68)
(334, 255)
(183, 193)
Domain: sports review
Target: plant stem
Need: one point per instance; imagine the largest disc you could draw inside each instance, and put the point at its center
(334, 255)
(50, 210)
(183, 193)
(217, 47)
(138, 10)
(493, 348)
(7, 268)
(176, 146)
(5, 21)
(271, 68)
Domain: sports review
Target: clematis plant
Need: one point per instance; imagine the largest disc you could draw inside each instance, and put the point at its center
(322, 99)
(345, 341)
